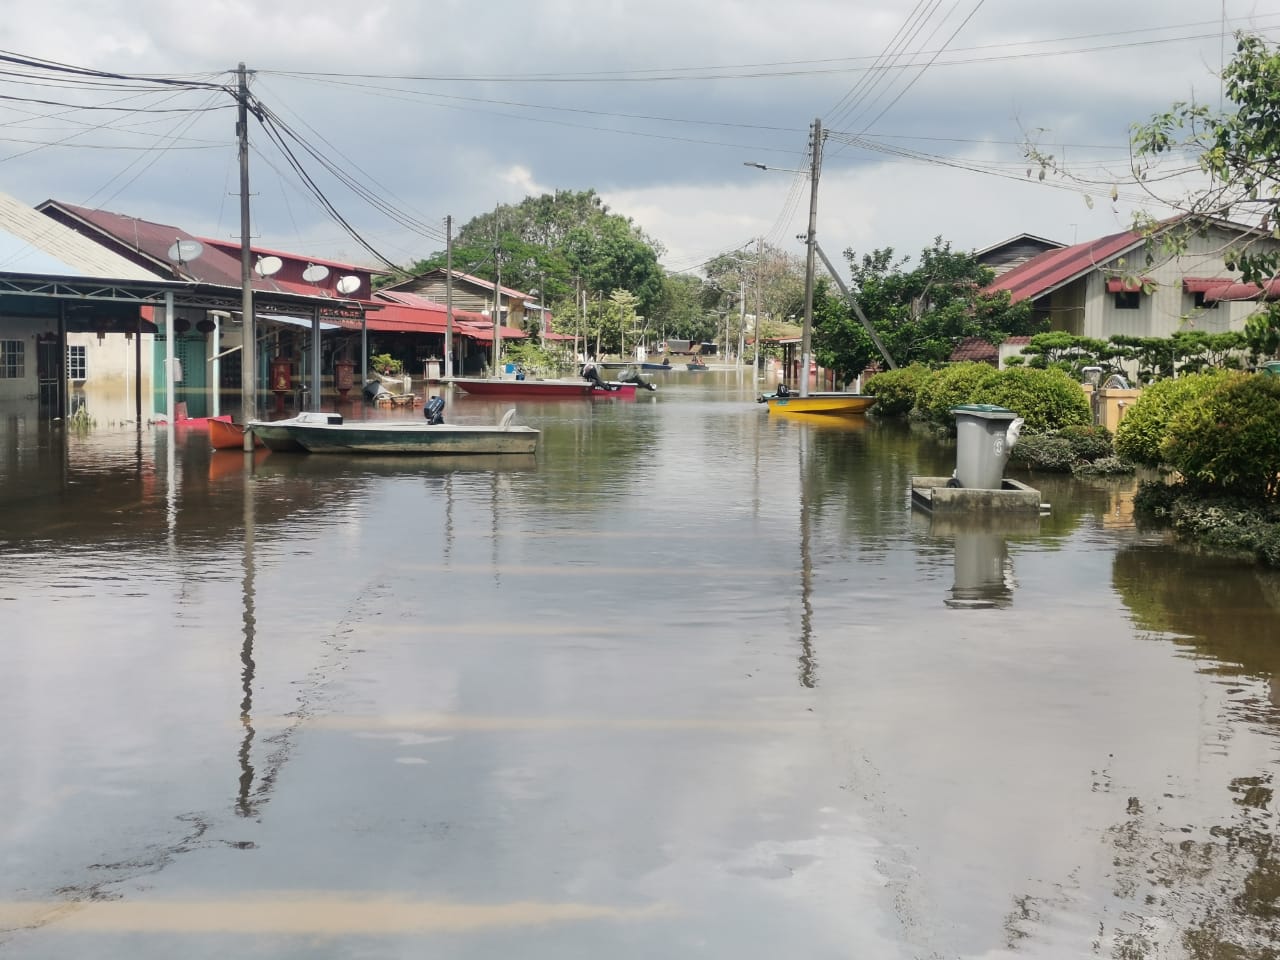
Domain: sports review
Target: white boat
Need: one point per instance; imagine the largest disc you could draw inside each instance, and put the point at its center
(328, 433)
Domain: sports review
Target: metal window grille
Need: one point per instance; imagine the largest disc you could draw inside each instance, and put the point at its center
(12, 360)
(77, 362)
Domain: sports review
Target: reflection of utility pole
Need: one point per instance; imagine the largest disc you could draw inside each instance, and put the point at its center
(862, 317)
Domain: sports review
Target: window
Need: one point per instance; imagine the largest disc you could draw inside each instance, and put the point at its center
(77, 362)
(12, 360)
(1198, 299)
(1128, 299)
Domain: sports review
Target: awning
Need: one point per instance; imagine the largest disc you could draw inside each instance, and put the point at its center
(294, 321)
(1123, 285)
(1243, 291)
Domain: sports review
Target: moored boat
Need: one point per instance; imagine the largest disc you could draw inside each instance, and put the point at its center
(328, 433)
(505, 387)
(226, 435)
(830, 403)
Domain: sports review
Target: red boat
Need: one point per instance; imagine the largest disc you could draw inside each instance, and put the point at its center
(503, 387)
(225, 435)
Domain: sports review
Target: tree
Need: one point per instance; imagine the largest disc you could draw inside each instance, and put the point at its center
(548, 241)
(920, 314)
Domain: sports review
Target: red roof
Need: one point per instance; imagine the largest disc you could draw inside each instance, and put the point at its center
(1053, 268)
(977, 349)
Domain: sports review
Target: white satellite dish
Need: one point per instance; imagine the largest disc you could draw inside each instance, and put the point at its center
(268, 266)
(348, 283)
(183, 250)
(314, 273)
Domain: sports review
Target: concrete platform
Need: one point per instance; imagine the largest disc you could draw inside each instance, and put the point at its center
(1012, 499)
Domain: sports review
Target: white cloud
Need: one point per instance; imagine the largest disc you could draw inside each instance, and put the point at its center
(654, 109)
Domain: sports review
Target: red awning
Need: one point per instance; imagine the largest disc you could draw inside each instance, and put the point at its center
(1243, 291)
(1122, 285)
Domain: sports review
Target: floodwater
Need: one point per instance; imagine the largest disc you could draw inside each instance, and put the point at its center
(693, 681)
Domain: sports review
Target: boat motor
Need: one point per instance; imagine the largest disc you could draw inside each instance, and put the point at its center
(589, 372)
(433, 410)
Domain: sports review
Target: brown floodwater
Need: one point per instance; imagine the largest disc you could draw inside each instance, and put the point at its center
(693, 680)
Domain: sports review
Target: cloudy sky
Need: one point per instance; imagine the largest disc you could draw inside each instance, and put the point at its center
(402, 112)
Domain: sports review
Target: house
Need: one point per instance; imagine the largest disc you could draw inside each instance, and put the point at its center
(476, 295)
(1120, 285)
(1007, 254)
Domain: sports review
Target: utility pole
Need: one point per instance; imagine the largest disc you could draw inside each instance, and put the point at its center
(742, 320)
(755, 351)
(811, 240)
(497, 297)
(448, 296)
(248, 326)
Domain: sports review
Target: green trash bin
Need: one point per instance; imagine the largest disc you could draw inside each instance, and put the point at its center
(981, 450)
(1271, 368)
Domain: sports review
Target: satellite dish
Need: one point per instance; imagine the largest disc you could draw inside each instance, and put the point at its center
(268, 266)
(314, 273)
(184, 250)
(348, 283)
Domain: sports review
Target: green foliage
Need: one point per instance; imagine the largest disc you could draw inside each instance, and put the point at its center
(1145, 424)
(1070, 353)
(1045, 399)
(1043, 451)
(1229, 441)
(1089, 442)
(952, 386)
(1228, 524)
(896, 390)
(919, 314)
(535, 359)
(546, 242)
(386, 365)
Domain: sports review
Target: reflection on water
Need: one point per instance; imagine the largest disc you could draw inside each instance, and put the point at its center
(681, 682)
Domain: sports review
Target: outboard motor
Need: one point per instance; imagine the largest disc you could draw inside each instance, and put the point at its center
(632, 375)
(373, 390)
(589, 372)
(433, 410)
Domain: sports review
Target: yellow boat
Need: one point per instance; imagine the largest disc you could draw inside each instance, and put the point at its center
(831, 404)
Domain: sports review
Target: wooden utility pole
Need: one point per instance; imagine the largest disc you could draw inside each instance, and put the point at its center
(448, 296)
(248, 326)
(811, 241)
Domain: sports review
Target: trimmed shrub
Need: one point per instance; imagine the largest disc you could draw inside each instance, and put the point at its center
(953, 386)
(896, 390)
(1229, 441)
(1089, 443)
(1103, 467)
(1043, 451)
(1145, 424)
(1224, 524)
(1045, 399)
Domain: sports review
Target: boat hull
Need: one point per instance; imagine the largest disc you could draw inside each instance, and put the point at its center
(615, 389)
(499, 387)
(225, 435)
(830, 404)
(396, 437)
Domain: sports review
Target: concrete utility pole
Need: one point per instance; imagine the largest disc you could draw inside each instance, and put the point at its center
(448, 296)
(248, 326)
(497, 297)
(755, 352)
(811, 242)
(853, 302)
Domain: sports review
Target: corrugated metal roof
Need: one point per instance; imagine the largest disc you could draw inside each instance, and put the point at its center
(975, 349)
(1054, 268)
(31, 242)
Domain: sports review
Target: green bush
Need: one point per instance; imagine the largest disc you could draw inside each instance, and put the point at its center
(1102, 467)
(1045, 399)
(952, 386)
(1229, 441)
(1089, 443)
(1043, 451)
(1145, 424)
(1226, 524)
(896, 390)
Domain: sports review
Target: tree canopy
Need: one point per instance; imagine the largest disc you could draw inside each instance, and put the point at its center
(552, 243)
(920, 313)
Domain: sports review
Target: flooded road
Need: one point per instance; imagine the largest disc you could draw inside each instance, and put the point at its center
(692, 681)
